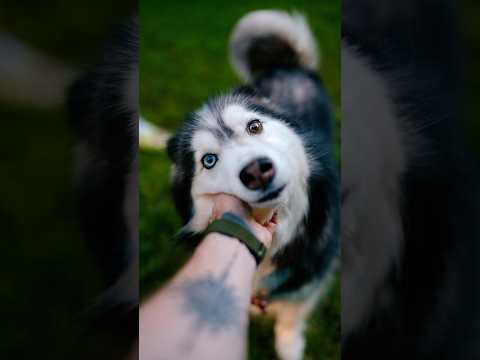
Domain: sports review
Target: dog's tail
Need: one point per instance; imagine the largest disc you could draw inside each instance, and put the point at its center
(266, 39)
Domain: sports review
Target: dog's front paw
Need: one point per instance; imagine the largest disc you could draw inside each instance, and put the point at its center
(289, 342)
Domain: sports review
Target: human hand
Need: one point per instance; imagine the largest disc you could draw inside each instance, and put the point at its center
(227, 203)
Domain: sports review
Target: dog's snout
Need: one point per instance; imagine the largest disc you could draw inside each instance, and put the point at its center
(258, 174)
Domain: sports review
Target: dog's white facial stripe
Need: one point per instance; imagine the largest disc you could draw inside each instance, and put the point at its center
(236, 149)
(236, 117)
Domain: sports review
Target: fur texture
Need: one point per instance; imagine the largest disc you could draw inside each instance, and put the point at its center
(276, 51)
(103, 108)
(265, 39)
(410, 187)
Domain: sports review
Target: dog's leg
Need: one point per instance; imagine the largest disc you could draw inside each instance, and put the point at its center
(289, 330)
(291, 319)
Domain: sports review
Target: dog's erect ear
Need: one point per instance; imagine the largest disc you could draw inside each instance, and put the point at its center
(246, 90)
(172, 148)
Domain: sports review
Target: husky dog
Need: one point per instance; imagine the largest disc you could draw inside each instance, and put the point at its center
(103, 110)
(410, 195)
(269, 143)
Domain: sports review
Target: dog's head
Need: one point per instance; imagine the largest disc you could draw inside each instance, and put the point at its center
(236, 144)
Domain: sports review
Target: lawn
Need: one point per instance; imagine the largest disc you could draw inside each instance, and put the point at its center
(183, 61)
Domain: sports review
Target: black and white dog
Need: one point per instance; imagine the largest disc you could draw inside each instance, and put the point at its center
(269, 143)
(103, 109)
(410, 189)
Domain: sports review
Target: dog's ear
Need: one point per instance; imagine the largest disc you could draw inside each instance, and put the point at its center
(246, 90)
(172, 148)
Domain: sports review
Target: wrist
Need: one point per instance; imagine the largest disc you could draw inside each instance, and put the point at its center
(234, 226)
(221, 246)
(217, 253)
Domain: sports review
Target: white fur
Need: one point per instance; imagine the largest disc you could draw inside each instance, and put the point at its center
(277, 142)
(291, 27)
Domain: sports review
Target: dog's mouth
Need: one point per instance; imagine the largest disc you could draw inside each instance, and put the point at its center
(265, 210)
(271, 195)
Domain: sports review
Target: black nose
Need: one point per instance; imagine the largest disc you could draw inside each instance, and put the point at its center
(258, 174)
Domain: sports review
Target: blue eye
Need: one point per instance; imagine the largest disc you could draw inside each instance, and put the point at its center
(209, 160)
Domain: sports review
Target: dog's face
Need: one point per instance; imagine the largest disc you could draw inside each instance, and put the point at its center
(240, 149)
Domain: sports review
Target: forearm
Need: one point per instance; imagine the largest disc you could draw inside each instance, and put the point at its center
(205, 306)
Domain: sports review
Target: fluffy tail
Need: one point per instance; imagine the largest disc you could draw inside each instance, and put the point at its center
(266, 39)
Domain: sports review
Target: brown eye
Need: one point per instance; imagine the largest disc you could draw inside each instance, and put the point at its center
(254, 127)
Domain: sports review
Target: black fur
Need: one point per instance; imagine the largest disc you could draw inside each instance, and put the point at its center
(108, 129)
(433, 310)
(269, 52)
(180, 155)
(104, 116)
(311, 254)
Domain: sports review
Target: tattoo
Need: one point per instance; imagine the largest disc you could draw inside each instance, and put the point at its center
(212, 302)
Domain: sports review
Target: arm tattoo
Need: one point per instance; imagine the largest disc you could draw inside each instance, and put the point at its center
(212, 302)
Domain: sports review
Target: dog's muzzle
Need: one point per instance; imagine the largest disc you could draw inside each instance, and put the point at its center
(258, 174)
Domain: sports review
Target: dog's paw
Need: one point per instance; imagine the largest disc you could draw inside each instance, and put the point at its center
(289, 343)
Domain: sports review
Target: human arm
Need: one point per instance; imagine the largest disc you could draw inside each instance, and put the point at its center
(202, 313)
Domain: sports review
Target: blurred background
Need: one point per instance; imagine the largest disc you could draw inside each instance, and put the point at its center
(48, 278)
(183, 62)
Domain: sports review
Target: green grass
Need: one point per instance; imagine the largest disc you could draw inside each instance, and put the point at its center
(183, 61)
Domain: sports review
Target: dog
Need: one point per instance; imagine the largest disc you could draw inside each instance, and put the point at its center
(410, 194)
(103, 110)
(269, 142)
